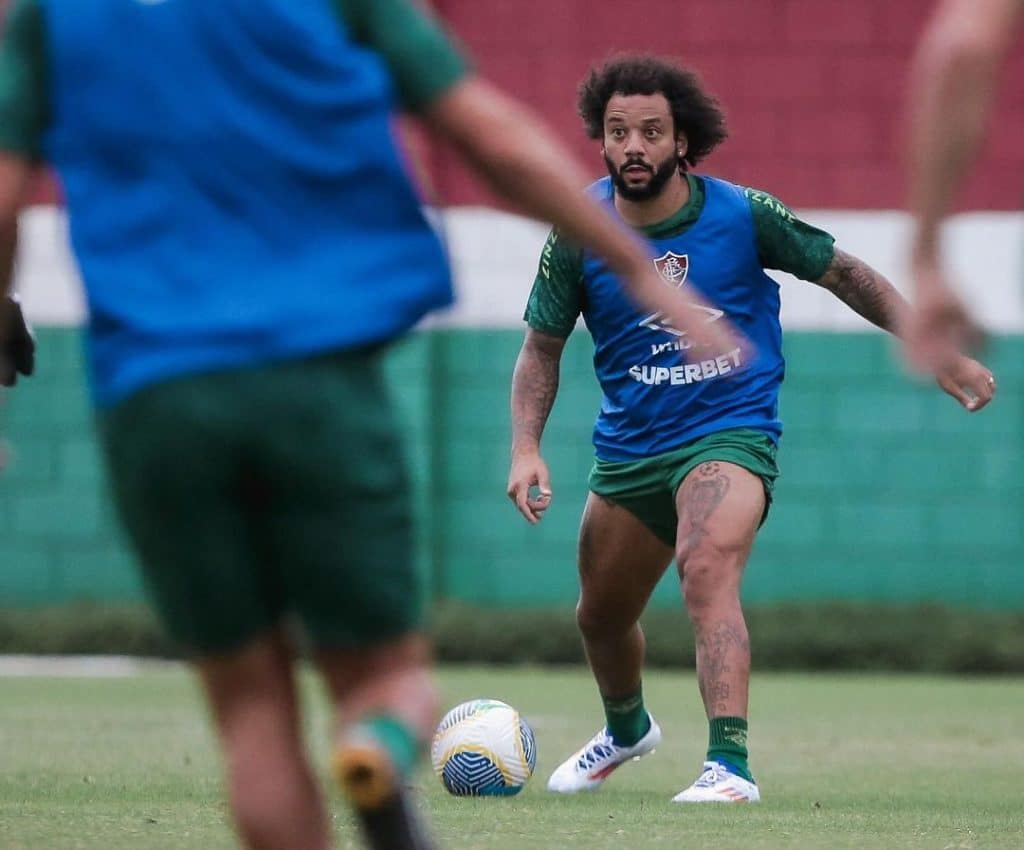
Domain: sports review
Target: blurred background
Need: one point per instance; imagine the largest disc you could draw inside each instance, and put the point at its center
(896, 512)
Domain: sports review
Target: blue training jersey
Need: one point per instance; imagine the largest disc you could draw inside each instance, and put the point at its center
(234, 189)
(659, 393)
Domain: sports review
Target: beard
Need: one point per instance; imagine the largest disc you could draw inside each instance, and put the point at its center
(659, 178)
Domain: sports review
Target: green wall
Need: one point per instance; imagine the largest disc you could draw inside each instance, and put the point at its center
(889, 490)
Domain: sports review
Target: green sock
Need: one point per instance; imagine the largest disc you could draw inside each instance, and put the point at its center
(627, 718)
(398, 739)
(728, 742)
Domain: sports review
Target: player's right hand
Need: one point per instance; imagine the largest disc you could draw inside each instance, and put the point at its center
(17, 345)
(529, 471)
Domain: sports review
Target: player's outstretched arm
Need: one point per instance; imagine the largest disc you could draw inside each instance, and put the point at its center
(870, 294)
(865, 291)
(534, 387)
(516, 154)
(953, 84)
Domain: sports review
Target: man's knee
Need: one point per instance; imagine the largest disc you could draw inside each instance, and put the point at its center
(709, 574)
(597, 620)
(393, 678)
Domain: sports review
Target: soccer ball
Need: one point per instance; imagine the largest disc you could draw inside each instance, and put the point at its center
(483, 748)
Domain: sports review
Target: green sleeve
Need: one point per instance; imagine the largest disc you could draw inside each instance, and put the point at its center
(423, 60)
(556, 299)
(786, 243)
(24, 107)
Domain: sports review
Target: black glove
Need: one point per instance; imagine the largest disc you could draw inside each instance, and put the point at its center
(17, 345)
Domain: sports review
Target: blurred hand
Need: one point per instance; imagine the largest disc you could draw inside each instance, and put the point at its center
(939, 328)
(528, 471)
(716, 337)
(684, 312)
(969, 382)
(17, 345)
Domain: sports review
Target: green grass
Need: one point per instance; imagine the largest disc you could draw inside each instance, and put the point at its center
(843, 762)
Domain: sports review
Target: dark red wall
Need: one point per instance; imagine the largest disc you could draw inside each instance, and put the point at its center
(813, 88)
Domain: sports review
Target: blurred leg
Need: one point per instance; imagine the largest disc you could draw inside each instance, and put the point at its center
(386, 708)
(273, 795)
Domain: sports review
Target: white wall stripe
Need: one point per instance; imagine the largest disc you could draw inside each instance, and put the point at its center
(494, 255)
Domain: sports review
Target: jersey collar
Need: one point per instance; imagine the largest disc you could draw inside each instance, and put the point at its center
(683, 218)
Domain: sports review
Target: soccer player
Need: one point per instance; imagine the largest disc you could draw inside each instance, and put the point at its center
(953, 86)
(686, 437)
(250, 242)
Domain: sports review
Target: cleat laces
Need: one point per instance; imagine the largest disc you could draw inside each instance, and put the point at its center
(598, 750)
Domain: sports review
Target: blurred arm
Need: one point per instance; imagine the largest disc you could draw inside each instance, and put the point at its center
(508, 146)
(953, 84)
(24, 115)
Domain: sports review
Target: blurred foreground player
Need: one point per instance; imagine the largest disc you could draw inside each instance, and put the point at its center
(686, 452)
(955, 78)
(250, 242)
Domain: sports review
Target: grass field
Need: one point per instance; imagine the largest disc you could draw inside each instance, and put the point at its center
(843, 762)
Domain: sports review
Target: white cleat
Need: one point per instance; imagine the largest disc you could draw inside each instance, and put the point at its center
(718, 784)
(588, 768)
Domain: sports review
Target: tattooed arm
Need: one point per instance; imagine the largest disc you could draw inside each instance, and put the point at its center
(868, 293)
(534, 386)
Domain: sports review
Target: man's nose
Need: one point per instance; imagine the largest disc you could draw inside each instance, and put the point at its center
(634, 143)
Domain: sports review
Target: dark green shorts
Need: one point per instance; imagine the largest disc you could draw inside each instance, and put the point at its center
(257, 493)
(647, 487)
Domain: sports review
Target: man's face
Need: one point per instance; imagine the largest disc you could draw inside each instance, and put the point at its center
(640, 148)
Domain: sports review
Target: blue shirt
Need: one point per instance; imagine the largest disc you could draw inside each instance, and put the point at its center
(234, 189)
(658, 393)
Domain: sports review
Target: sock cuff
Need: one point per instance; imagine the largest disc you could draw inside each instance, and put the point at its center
(728, 731)
(625, 704)
(395, 736)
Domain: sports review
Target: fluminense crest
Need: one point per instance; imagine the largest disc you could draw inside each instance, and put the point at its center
(673, 268)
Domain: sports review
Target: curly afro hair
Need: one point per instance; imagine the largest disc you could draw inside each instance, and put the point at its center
(695, 112)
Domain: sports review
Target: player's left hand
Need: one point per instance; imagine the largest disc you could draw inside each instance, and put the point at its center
(969, 382)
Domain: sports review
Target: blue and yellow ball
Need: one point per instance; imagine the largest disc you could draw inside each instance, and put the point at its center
(484, 748)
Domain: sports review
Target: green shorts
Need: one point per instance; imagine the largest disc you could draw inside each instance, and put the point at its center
(260, 493)
(647, 487)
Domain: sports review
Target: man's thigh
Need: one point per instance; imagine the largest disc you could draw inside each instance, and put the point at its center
(620, 559)
(740, 447)
(720, 506)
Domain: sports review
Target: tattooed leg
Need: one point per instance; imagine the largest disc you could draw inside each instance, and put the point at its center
(719, 506)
